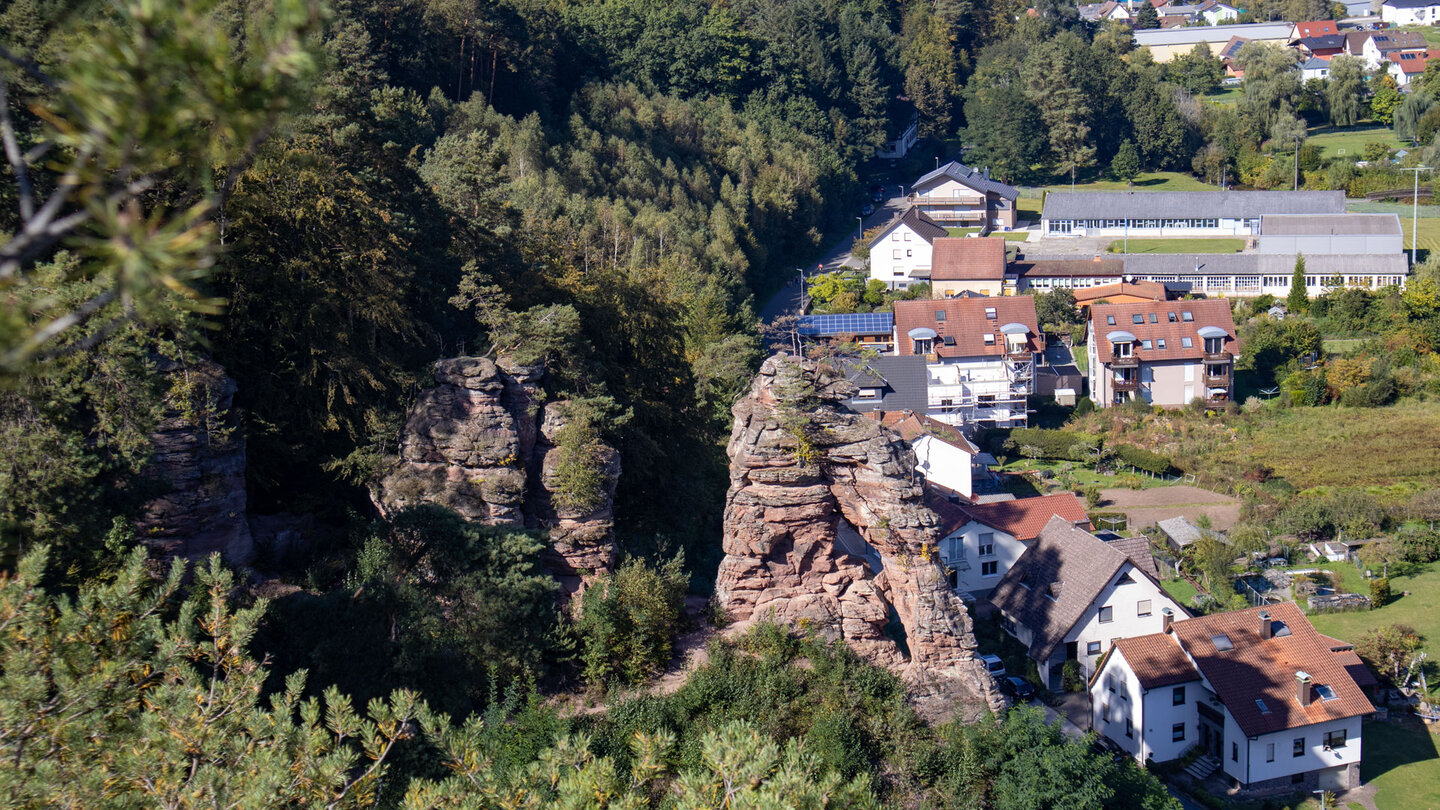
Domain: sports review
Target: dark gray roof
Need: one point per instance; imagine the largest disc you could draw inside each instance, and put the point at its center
(925, 227)
(1272, 264)
(1327, 225)
(1188, 204)
(1323, 41)
(974, 178)
(903, 382)
(1053, 583)
(1409, 3)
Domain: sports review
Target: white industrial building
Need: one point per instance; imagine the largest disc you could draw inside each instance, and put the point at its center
(1312, 235)
(1176, 213)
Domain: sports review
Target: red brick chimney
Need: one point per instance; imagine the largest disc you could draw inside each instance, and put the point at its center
(1266, 629)
(1302, 687)
(1167, 618)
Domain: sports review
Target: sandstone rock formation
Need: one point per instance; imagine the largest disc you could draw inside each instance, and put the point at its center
(481, 443)
(825, 528)
(200, 463)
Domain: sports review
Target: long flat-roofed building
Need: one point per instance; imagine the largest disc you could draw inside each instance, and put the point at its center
(1176, 213)
(1217, 275)
(1313, 234)
(1167, 43)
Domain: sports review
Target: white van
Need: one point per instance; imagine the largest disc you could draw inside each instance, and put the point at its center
(994, 665)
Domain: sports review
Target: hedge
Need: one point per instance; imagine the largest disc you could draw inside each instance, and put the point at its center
(1142, 459)
(1054, 444)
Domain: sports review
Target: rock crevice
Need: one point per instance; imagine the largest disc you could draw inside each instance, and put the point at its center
(826, 529)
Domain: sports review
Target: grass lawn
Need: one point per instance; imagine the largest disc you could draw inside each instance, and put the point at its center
(1226, 95)
(1010, 236)
(1084, 476)
(1341, 345)
(1421, 610)
(1402, 762)
(1027, 208)
(1429, 239)
(1145, 181)
(1330, 447)
(1179, 245)
(1348, 142)
(1430, 32)
(1351, 578)
(1180, 590)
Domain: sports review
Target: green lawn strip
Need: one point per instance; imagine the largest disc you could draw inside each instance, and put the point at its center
(1341, 345)
(1181, 591)
(1350, 142)
(1010, 236)
(1351, 578)
(1420, 610)
(1177, 245)
(1401, 761)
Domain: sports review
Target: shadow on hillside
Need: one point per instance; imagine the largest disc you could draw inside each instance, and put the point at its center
(1393, 744)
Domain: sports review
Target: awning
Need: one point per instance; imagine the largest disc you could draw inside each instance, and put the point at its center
(1120, 336)
(922, 333)
(1015, 329)
(1211, 332)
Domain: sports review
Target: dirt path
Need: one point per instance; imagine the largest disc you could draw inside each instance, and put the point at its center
(1145, 507)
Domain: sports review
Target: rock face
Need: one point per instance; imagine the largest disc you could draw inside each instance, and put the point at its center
(481, 443)
(826, 529)
(200, 462)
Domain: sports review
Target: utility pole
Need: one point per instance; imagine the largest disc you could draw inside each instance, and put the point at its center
(1297, 161)
(801, 272)
(1415, 209)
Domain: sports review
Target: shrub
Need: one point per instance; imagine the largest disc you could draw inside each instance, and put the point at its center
(1084, 405)
(1070, 676)
(1379, 591)
(1143, 459)
(1057, 444)
(1092, 496)
(629, 620)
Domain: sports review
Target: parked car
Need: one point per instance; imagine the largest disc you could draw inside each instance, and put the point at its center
(867, 210)
(877, 193)
(1018, 688)
(994, 665)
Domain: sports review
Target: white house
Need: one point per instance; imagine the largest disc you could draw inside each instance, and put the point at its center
(1071, 596)
(900, 253)
(1388, 46)
(905, 121)
(981, 542)
(980, 356)
(943, 456)
(1272, 703)
(1410, 12)
(960, 195)
(1216, 13)
(1314, 68)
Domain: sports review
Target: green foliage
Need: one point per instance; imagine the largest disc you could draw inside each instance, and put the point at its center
(445, 607)
(1054, 444)
(125, 697)
(584, 466)
(1072, 678)
(1055, 309)
(1386, 100)
(1147, 19)
(1126, 163)
(1345, 90)
(1379, 592)
(1142, 458)
(1390, 650)
(1296, 299)
(1323, 517)
(629, 620)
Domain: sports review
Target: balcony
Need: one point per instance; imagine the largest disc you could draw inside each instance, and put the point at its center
(1119, 384)
(1217, 380)
(1116, 361)
(1216, 400)
(1218, 357)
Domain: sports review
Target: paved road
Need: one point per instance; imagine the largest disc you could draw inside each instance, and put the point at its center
(787, 300)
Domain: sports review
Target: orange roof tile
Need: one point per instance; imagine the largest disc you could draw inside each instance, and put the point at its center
(1156, 324)
(1318, 28)
(964, 320)
(1148, 290)
(964, 258)
(1264, 670)
(1157, 660)
(1023, 518)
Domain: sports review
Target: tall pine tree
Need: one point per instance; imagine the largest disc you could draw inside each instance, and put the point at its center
(1296, 300)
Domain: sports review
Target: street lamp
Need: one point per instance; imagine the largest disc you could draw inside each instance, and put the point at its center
(861, 220)
(1415, 209)
(1297, 161)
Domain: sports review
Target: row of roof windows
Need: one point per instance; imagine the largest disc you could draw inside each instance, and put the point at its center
(1187, 317)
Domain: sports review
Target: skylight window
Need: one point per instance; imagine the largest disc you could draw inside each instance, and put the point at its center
(1325, 692)
(1279, 629)
(989, 338)
(1172, 317)
(1109, 320)
(1153, 318)
(1185, 343)
(990, 313)
(1160, 342)
(1145, 344)
(1138, 318)
(1187, 317)
(939, 314)
(1261, 705)
(949, 340)
(1222, 642)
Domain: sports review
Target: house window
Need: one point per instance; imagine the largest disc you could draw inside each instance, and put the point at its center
(989, 569)
(1107, 614)
(1234, 752)
(909, 253)
(1137, 318)
(1092, 648)
(1129, 729)
(1142, 608)
(1177, 696)
(1185, 343)
(1154, 319)
(1109, 320)
(989, 338)
(1187, 317)
(1146, 344)
(1177, 732)
(1298, 747)
(1172, 317)
(1105, 711)
(907, 236)
(990, 313)
(1269, 752)
(1335, 739)
(987, 544)
(895, 236)
(1160, 343)
(895, 253)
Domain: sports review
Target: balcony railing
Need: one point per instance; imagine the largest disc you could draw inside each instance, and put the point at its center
(1125, 385)
(1216, 401)
(1217, 380)
(1218, 357)
(1124, 362)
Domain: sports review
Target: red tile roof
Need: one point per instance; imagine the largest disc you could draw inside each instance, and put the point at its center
(1157, 660)
(965, 321)
(1207, 312)
(1264, 670)
(1319, 28)
(912, 426)
(1149, 290)
(963, 259)
(1023, 518)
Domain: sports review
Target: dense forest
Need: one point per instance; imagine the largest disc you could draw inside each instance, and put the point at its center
(325, 200)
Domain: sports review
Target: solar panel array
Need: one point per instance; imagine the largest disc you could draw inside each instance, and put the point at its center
(854, 323)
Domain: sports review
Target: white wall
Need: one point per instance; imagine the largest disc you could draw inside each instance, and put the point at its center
(1123, 598)
(961, 549)
(963, 380)
(1425, 15)
(898, 270)
(948, 190)
(1253, 767)
(944, 464)
(1118, 687)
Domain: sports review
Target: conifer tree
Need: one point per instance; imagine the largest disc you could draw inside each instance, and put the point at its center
(1296, 300)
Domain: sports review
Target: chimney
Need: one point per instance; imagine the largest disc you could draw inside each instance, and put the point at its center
(1266, 630)
(1302, 687)
(1167, 618)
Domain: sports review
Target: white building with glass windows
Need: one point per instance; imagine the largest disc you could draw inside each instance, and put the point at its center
(982, 541)
(1217, 275)
(1176, 213)
(1272, 704)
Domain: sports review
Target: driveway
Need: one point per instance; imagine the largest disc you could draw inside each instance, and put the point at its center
(1144, 507)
